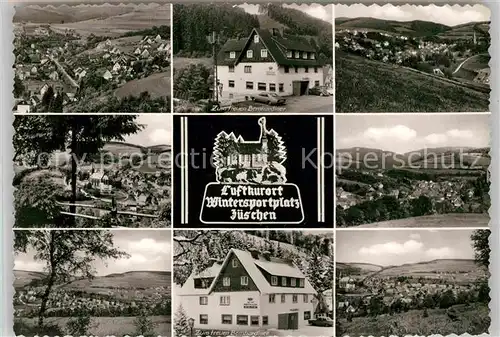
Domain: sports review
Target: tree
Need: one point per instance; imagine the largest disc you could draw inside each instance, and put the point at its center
(66, 254)
(82, 135)
(48, 99)
(481, 245)
(180, 322)
(144, 325)
(447, 299)
(18, 87)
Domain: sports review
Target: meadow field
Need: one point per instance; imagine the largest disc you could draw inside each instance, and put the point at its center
(368, 86)
(435, 220)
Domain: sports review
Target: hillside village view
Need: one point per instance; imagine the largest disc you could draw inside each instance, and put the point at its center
(114, 183)
(445, 184)
(249, 57)
(119, 301)
(444, 295)
(92, 58)
(437, 67)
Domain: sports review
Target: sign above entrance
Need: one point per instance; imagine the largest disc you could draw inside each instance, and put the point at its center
(250, 304)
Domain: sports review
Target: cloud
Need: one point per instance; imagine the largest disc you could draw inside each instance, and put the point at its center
(392, 248)
(160, 136)
(28, 265)
(401, 138)
(436, 139)
(415, 236)
(447, 15)
(440, 253)
(148, 246)
(398, 132)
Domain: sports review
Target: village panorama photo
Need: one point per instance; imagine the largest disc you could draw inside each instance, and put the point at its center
(253, 58)
(92, 283)
(101, 56)
(260, 283)
(88, 171)
(412, 282)
(412, 58)
(405, 170)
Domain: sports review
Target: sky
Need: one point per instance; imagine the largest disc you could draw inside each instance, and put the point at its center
(397, 247)
(447, 15)
(157, 130)
(402, 133)
(149, 250)
(318, 11)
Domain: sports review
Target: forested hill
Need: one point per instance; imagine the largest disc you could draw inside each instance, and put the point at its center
(298, 22)
(193, 22)
(320, 32)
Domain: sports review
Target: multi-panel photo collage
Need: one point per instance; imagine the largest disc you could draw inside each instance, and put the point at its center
(250, 169)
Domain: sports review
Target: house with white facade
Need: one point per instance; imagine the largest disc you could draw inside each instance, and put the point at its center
(267, 61)
(248, 290)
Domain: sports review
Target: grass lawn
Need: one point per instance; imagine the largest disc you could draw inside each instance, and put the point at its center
(435, 220)
(473, 319)
(367, 86)
(103, 326)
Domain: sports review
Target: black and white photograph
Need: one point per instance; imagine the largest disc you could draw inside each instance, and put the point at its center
(412, 58)
(396, 170)
(260, 283)
(92, 56)
(412, 282)
(234, 171)
(92, 283)
(253, 57)
(92, 171)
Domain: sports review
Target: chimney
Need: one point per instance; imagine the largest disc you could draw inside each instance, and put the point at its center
(254, 252)
(212, 261)
(267, 255)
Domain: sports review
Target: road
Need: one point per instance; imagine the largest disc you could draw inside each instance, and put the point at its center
(463, 62)
(294, 104)
(71, 81)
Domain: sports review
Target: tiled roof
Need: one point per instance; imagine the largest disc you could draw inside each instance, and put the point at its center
(276, 45)
(275, 266)
(188, 286)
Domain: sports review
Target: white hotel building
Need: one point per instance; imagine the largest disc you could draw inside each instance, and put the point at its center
(248, 291)
(267, 61)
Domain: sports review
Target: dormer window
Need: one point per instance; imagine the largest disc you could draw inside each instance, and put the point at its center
(235, 263)
(283, 281)
(297, 54)
(249, 54)
(313, 56)
(293, 282)
(274, 280)
(304, 55)
(301, 283)
(256, 38)
(232, 55)
(263, 53)
(289, 54)
(226, 281)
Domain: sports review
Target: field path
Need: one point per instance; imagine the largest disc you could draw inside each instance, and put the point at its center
(461, 64)
(435, 220)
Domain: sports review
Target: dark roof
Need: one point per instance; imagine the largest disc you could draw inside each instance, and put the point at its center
(276, 45)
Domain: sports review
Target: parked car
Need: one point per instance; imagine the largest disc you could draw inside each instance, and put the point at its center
(269, 98)
(321, 321)
(318, 91)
